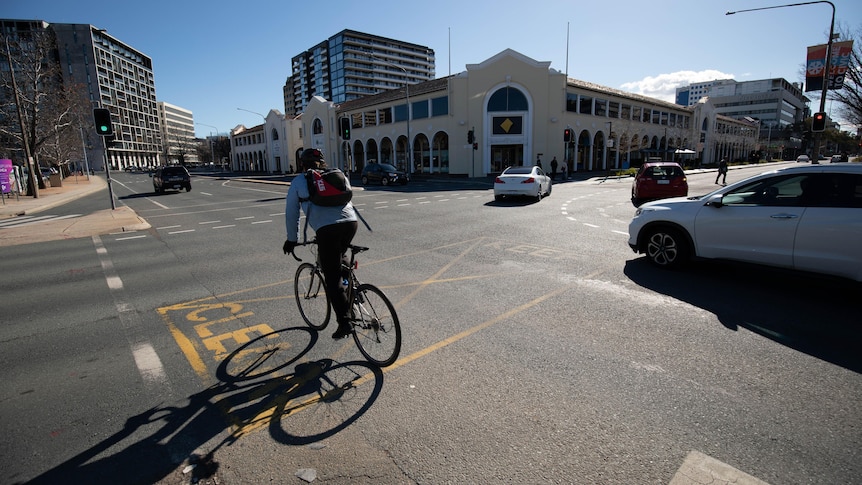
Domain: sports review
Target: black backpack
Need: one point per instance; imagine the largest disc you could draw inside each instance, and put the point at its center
(328, 188)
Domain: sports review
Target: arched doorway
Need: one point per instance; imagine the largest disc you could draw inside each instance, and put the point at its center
(508, 114)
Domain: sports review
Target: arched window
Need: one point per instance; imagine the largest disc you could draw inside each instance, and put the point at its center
(508, 99)
(317, 126)
(274, 134)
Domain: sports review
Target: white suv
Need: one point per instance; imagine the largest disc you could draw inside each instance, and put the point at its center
(806, 218)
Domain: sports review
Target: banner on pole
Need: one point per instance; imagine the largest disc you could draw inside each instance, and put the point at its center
(838, 65)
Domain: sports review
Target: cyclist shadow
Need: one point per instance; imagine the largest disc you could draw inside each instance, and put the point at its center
(259, 386)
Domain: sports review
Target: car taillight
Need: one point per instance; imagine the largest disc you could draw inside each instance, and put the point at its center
(498, 180)
(529, 181)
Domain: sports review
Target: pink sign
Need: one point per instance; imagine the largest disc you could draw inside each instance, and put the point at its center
(7, 176)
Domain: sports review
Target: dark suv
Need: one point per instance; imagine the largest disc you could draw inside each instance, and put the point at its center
(171, 177)
(383, 173)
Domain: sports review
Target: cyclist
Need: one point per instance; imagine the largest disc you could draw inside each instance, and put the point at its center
(334, 228)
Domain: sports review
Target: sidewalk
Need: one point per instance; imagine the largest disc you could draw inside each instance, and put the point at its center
(121, 219)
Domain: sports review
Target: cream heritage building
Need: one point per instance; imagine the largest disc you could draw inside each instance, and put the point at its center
(519, 110)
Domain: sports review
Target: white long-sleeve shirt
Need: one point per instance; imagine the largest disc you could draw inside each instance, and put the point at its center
(318, 216)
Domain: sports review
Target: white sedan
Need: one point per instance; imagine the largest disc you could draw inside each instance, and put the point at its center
(523, 182)
(806, 218)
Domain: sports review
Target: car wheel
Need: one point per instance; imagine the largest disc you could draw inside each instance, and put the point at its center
(666, 247)
(637, 202)
(498, 198)
(384, 181)
(364, 180)
(539, 194)
(549, 190)
(188, 188)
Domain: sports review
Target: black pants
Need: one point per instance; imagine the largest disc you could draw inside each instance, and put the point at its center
(332, 243)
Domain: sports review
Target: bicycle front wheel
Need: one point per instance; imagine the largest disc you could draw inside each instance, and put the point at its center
(376, 329)
(310, 291)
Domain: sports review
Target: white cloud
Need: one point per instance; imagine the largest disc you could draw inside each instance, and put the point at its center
(664, 86)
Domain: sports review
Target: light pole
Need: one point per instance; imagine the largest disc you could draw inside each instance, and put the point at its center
(212, 141)
(407, 94)
(826, 69)
(265, 156)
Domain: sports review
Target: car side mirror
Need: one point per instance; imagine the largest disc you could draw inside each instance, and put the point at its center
(715, 201)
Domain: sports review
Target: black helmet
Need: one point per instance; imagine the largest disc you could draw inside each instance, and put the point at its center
(311, 156)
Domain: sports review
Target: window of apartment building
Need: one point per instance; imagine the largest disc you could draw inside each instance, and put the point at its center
(420, 109)
(601, 107)
(400, 112)
(370, 118)
(626, 112)
(572, 102)
(646, 115)
(613, 109)
(636, 113)
(663, 117)
(585, 105)
(440, 106)
(356, 120)
(384, 116)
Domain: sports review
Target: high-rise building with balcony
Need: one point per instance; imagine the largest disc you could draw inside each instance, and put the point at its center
(115, 76)
(350, 65)
(178, 134)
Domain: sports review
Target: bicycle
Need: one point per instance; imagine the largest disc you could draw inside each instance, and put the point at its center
(373, 320)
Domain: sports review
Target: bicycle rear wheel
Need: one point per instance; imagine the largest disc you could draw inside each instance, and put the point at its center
(310, 291)
(376, 329)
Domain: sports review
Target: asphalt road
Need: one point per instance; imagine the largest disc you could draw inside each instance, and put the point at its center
(538, 349)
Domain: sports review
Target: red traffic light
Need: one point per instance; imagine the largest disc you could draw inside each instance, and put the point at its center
(567, 135)
(818, 122)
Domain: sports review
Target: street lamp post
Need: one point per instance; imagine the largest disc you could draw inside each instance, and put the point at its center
(817, 136)
(265, 156)
(407, 94)
(212, 141)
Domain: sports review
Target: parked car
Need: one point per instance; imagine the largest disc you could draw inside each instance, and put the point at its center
(522, 181)
(174, 177)
(658, 180)
(803, 159)
(836, 159)
(383, 173)
(805, 218)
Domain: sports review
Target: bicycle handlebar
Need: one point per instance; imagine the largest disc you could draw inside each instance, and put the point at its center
(354, 248)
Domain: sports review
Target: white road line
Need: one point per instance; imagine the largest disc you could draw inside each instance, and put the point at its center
(589, 225)
(167, 227)
(180, 232)
(148, 362)
(154, 202)
(205, 193)
(261, 222)
(208, 222)
(130, 237)
(222, 227)
(243, 218)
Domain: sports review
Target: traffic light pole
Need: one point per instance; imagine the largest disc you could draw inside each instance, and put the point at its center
(108, 173)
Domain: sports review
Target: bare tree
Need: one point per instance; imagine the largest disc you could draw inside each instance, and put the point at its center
(51, 112)
(850, 96)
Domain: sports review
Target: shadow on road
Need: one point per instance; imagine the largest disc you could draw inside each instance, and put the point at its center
(259, 387)
(787, 307)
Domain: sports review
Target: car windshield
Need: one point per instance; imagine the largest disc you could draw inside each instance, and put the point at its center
(664, 171)
(174, 171)
(388, 168)
(518, 170)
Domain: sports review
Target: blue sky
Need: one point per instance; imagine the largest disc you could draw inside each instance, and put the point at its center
(214, 57)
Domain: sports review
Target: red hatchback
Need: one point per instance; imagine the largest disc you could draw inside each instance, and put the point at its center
(658, 180)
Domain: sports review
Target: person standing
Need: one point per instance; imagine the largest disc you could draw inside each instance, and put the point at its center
(334, 228)
(722, 172)
(554, 169)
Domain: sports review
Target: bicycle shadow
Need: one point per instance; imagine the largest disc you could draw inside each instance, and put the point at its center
(811, 314)
(313, 401)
